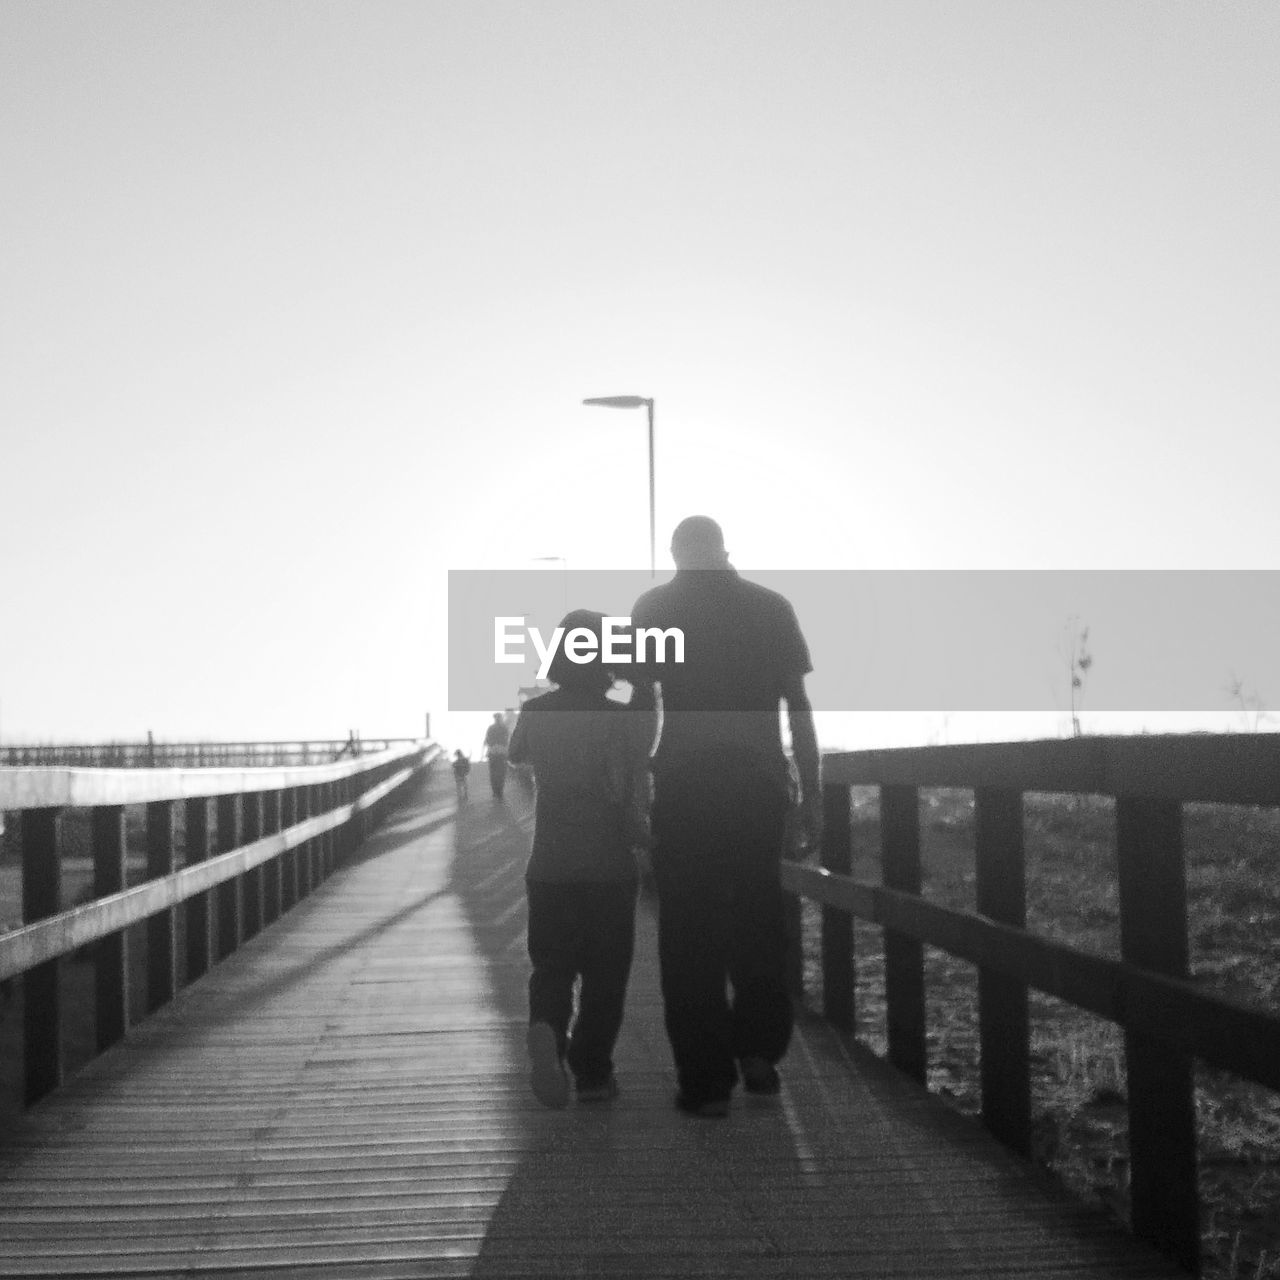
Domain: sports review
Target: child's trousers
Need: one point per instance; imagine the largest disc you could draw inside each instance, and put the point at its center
(586, 930)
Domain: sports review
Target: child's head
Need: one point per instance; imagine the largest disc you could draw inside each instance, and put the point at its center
(591, 676)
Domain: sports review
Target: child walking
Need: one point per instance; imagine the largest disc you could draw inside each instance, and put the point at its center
(589, 757)
(461, 768)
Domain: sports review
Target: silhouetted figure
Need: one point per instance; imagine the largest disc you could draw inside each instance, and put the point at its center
(461, 770)
(589, 756)
(495, 751)
(721, 800)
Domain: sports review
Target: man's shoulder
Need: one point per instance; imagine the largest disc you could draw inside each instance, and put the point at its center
(747, 602)
(724, 601)
(569, 700)
(652, 601)
(764, 597)
(717, 583)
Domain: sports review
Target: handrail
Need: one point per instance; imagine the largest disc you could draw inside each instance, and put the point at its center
(1232, 768)
(278, 833)
(46, 786)
(151, 754)
(1168, 1019)
(1226, 1033)
(23, 948)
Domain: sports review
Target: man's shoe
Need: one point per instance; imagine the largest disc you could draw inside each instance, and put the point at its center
(706, 1108)
(604, 1091)
(760, 1076)
(547, 1076)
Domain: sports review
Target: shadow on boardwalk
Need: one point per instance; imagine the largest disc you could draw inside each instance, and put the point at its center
(346, 1096)
(852, 1172)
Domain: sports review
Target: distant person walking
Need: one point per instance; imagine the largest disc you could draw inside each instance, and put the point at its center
(720, 809)
(461, 770)
(495, 750)
(589, 755)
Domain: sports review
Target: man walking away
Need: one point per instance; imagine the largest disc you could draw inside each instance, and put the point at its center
(721, 799)
(495, 750)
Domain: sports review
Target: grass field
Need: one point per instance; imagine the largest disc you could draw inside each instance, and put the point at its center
(1078, 1085)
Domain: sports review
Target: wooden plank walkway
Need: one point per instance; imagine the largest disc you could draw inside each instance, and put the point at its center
(347, 1097)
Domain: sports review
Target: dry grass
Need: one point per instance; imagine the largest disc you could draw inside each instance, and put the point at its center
(1077, 1060)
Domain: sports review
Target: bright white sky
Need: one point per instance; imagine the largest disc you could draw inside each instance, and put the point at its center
(298, 303)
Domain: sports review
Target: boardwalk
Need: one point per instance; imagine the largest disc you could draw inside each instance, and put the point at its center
(346, 1096)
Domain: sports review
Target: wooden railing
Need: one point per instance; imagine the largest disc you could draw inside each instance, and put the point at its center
(256, 841)
(1168, 1021)
(152, 754)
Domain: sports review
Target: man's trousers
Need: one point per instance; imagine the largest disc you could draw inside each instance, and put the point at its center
(721, 927)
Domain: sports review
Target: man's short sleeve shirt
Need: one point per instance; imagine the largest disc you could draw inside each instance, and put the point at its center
(742, 649)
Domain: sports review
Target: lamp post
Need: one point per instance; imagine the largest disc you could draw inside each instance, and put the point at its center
(634, 402)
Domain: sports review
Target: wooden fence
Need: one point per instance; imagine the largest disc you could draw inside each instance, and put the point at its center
(150, 754)
(1167, 1019)
(255, 842)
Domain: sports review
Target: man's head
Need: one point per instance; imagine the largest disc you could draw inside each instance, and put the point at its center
(698, 543)
(497, 717)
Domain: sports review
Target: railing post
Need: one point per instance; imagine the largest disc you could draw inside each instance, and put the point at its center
(342, 834)
(1161, 1083)
(330, 791)
(251, 830)
(1004, 1027)
(355, 827)
(162, 955)
(316, 845)
(198, 847)
(837, 925)
(290, 891)
(302, 855)
(336, 835)
(273, 871)
(341, 796)
(903, 955)
(230, 892)
(371, 780)
(41, 890)
(345, 841)
(111, 965)
(327, 859)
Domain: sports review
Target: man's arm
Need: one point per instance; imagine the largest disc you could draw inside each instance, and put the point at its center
(644, 707)
(804, 744)
(518, 748)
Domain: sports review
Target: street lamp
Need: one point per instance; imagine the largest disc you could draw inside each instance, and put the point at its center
(634, 402)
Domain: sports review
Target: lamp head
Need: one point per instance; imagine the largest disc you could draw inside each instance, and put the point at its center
(618, 402)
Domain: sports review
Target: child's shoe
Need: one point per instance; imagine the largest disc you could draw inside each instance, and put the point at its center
(547, 1075)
